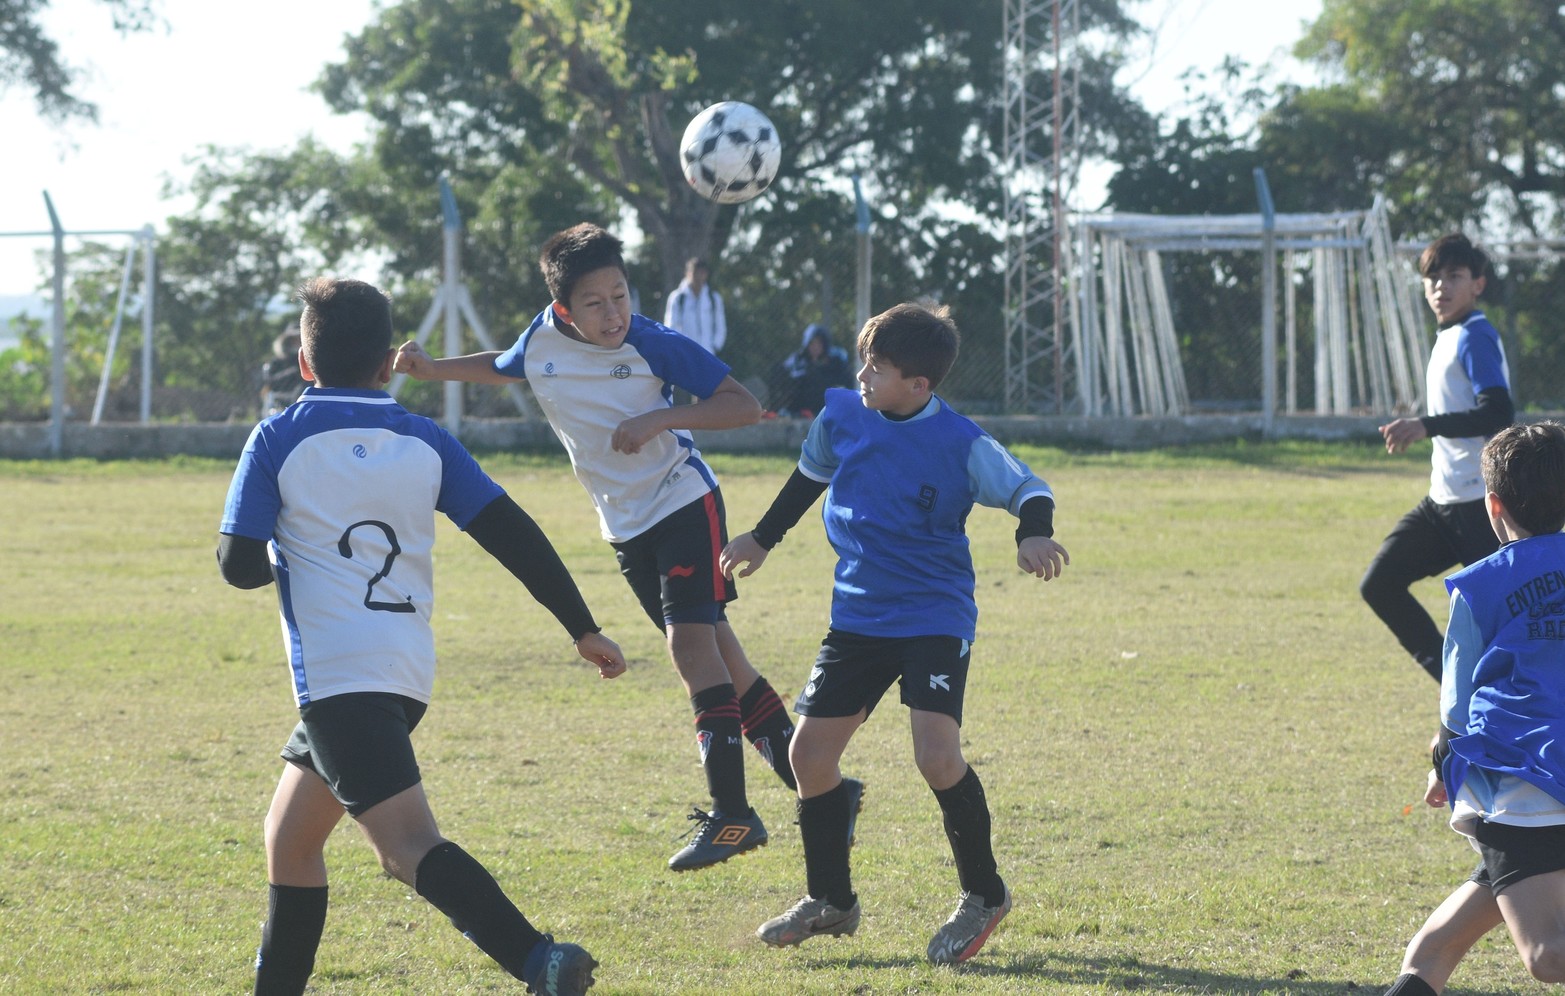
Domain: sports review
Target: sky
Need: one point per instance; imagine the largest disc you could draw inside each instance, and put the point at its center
(237, 75)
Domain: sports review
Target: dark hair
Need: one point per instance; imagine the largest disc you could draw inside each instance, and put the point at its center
(919, 341)
(346, 330)
(1453, 250)
(1525, 466)
(572, 254)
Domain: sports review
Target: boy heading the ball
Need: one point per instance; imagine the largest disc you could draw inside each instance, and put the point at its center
(900, 470)
(334, 500)
(604, 378)
(1468, 391)
(1502, 706)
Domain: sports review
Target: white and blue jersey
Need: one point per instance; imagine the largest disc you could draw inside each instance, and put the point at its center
(1503, 685)
(344, 486)
(896, 513)
(1467, 359)
(586, 391)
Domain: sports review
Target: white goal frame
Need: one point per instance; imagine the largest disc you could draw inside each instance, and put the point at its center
(1368, 352)
(142, 238)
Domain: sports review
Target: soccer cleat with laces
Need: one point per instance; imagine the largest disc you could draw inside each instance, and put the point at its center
(566, 970)
(969, 927)
(718, 838)
(809, 918)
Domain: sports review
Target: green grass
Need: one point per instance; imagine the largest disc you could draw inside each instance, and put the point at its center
(1198, 746)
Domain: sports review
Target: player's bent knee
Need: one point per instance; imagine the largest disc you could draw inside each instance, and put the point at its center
(940, 768)
(1546, 961)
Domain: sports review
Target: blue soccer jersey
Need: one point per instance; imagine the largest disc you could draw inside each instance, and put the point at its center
(586, 391)
(896, 513)
(344, 485)
(1503, 687)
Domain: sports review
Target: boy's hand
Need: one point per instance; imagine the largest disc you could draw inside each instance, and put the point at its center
(413, 361)
(1402, 433)
(634, 433)
(1434, 795)
(1041, 557)
(742, 550)
(595, 648)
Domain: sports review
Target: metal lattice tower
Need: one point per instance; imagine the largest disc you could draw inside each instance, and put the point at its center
(1042, 162)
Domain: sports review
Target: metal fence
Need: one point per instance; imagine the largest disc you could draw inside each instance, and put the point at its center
(1198, 333)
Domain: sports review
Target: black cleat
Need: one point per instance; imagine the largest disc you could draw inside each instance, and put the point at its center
(566, 970)
(718, 838)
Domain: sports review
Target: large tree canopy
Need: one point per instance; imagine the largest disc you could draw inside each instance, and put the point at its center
(29, 58)
(905, 91)
(1471, 120)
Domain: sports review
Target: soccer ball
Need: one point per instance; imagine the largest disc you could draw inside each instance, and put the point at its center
(730, 152)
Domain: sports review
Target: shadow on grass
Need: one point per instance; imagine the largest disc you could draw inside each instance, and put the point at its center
(1128, 974)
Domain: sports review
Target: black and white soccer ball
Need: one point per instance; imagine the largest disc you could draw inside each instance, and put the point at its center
(730, 152)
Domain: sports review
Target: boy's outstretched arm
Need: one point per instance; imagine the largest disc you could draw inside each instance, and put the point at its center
(512, 537)
(1036, 551)
(475, 368)
(795, 498)
(730, 406)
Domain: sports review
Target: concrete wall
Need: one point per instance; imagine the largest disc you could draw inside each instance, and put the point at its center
(31, 441)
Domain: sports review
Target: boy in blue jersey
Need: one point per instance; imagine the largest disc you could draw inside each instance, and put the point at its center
(1468, 400)
(901, 471)
(604, 378)
(334, 500)
(1498, 762)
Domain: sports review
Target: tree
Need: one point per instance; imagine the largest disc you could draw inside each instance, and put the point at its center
(1470, 124)
(30, 58)
(590, 97)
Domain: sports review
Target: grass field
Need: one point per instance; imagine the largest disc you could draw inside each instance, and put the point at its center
(1199, 746)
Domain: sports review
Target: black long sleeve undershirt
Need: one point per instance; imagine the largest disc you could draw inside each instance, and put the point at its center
(795, 498)
(243, 562)
(511, 536)
(799, 493)
(505, 531)
(1495, 411)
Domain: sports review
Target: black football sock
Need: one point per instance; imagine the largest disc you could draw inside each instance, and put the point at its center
(1410, 985)
(764, 720)
(295, 917)
(966, 812)
(722, 750)
(823, 825)
(457, 885)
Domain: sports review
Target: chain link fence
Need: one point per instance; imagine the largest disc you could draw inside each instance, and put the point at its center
(772, 293)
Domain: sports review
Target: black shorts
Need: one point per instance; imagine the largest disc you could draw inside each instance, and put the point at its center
(852, 672)
(360, 745)
(672, 567)
(1511, 853)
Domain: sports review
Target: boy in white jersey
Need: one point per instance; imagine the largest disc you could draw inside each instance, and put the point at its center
(1502, 702)
(604, 378)
(901, 471)
(1469, 399)
(334, 500)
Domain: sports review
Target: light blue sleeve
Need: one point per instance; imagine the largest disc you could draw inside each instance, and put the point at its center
(999, 480)
(1464, 647)
(817, 459)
